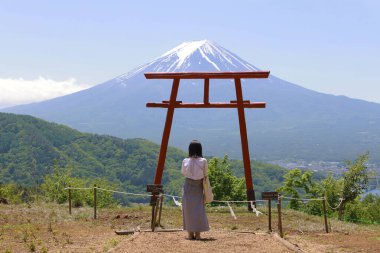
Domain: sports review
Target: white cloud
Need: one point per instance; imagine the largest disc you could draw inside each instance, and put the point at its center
(20, 91)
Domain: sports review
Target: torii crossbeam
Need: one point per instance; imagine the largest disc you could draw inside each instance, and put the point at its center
(239, 103)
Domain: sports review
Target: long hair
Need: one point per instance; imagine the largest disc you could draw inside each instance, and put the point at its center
(195, 149)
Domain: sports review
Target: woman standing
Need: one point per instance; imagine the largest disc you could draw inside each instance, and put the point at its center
(194, 168)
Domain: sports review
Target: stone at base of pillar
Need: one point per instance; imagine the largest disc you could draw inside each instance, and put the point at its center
(251, 197)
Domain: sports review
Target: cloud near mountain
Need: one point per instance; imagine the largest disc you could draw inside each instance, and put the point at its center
(15, 91)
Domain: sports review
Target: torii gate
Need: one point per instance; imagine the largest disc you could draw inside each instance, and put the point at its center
(239, 103)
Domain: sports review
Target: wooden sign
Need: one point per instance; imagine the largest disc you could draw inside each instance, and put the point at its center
(269, 195)
(154, 188)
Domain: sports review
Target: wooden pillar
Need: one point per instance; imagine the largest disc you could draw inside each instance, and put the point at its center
(279, 216)
(94, 201)
(155, 212)
(160, 211)
(206, 97)
(244, 142)
(269, 215)
(166, 133)
(325, 214)
(70, 199)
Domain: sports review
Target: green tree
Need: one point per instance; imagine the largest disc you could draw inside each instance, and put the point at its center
(355, 181)
(297, 182)
(331, 189)
(225, 186)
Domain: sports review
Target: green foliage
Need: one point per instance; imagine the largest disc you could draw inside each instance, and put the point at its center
(54, 186)
(297, 182)
(355, 179)
(12, 193)
(266, 177)
(225, 186)
(331, 189)
(364, 211)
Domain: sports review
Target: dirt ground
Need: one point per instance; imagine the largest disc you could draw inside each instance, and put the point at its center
(49, 228)
(214, 241)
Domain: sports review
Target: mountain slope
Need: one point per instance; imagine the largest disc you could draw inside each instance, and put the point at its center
(297, 124)
(29, 148)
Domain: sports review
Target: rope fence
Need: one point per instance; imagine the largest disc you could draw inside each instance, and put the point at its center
(227, 202)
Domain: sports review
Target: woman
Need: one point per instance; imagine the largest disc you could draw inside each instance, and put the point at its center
(193, 208)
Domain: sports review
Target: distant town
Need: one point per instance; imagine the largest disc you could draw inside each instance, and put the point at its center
(336, 168)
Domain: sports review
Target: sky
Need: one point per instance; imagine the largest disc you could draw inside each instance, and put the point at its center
(52, 48)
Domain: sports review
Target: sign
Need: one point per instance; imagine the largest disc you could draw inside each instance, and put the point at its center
(269, 195)
(154, 188)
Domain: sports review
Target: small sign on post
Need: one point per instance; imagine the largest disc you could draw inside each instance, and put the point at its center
(155, 189)
(269, 196)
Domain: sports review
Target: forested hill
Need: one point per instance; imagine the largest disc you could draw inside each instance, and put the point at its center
(29, 148)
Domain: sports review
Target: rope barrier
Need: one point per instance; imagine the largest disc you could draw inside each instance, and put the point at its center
(231, 211)
(102, 189)
(167, 195)
(302, 199)
(238, 201)
(335, 208)
(126, 193)
(77, 188)
(171, 196)
(254, 210)
(179, 204)
(317, 199)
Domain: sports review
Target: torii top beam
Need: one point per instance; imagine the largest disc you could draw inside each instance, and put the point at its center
(206, 75)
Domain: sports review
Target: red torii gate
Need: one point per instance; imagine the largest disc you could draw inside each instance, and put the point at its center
(239, 103)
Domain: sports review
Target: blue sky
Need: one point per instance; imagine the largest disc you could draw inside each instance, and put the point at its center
(328, 46)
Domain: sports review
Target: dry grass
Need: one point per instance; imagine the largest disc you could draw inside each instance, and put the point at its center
(48, 227)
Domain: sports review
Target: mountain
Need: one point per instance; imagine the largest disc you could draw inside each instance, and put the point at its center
(298, 123)
(30, 148)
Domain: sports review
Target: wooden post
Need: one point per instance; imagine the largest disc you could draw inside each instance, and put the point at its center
(325, 214)
(159, 214)
(153, 202)
(206, 98)
(154, 220)
(270, 215)
(94, 201)
(70, 199)
(279, 216)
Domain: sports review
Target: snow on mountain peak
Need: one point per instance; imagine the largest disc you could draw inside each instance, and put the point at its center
(187, 48)
(202, 55)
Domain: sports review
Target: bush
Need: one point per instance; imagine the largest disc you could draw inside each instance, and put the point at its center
(54, 186)
(12, 193)
(365, 211)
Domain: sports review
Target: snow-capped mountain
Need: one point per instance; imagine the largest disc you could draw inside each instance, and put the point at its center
(201, 55)
(297, 123)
